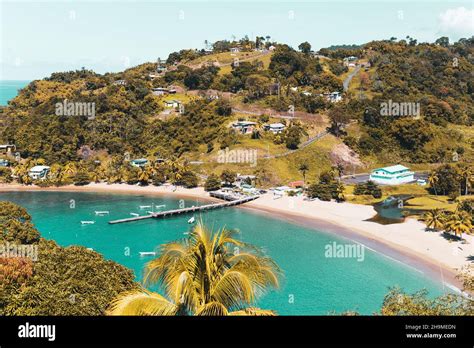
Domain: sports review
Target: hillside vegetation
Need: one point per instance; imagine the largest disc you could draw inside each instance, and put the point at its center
(130, 119)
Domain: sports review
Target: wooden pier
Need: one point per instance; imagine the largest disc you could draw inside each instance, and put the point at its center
(200, 208)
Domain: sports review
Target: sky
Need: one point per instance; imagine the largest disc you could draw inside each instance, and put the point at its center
(41, 37)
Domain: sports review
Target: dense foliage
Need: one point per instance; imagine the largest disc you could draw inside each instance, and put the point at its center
(57, 280)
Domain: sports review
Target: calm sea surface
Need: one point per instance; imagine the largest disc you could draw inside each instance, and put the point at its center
(9, 89)
(313, 283)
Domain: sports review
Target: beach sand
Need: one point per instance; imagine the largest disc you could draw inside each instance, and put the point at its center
(406, 242)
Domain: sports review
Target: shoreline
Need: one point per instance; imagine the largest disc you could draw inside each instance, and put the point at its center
(406, 243)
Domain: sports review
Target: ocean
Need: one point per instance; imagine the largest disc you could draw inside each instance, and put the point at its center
(313, 284)
(9, 89)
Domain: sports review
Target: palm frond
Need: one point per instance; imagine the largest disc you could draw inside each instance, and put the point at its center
(142, 302)
(212, 309)
(252, 311)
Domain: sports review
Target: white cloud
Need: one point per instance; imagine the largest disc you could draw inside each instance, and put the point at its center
(457, 21)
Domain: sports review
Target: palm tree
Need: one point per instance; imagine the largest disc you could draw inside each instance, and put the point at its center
(303, 168)
(20, 172)
(466, 173)
(98, 174)
(432, 180)
(70, 169)
(340, 192)
(459, 223)
(434, 219)
(144, 175)
(177, 168)
(205, 274)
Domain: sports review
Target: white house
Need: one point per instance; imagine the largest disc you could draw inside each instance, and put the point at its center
(275, 128)
(350, 61)
(163, 91)
(235, 49)
(7, 148)
(248, 189)
(120, 83)
(172, 103)
(139, 162)
(280, 190)
(244, 127)
(334, 97)
(393, 175)
(38, 172)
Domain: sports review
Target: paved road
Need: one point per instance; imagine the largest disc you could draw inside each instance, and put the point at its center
(258, 113)
(348, 79)
(358, 178)
(302, 146)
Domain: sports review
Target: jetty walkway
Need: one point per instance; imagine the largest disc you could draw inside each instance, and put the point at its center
(230, 201)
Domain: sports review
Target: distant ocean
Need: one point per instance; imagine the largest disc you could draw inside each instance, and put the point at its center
(9, 89)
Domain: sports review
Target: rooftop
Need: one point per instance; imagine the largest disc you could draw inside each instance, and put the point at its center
(38, 168)
(276, 125)
(393, 169)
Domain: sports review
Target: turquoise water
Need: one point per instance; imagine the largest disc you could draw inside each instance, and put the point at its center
(9, 89)
(313, 284)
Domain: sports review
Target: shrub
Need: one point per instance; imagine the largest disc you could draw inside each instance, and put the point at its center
(81, 178)
(368, 188)
(213, 183)
(189, 179)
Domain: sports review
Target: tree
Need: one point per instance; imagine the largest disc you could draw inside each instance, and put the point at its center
(412, 134)
(205, 274)
(434, 219)
(228, 177)
(81, 178)
(339, 119)
(303, 168)
(448, 180)
(57, 281)
(292, 136)
(327, 188)
(442, 41)
(16, 225)
(212, 183)
(257, 86)
(368, 188)
(432, 180)
(69, 281)
(144, 175)
(397, 302)
(305, 47)
(189, 179)
(458, 223)
(466, 173)
(223, 107)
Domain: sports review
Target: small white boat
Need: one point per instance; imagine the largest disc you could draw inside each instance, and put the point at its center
(134, 214)
(87, 222)
(145, 206)
(160, 206)
(186, 233)
(90, 249)
(150, 212)
(101, 212)
(147, 253)
(190, 221)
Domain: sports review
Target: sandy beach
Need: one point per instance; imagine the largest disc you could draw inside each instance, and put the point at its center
(406, 242)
